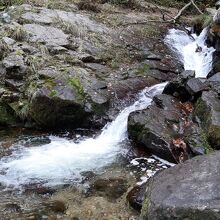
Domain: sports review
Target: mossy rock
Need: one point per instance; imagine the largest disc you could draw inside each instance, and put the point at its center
(53, 112)
(207, 109)
(7, 116)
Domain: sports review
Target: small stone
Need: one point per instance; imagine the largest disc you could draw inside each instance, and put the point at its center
(112, 188)
(12, 207)
(135, 197)
(8, 40)
(57, 206)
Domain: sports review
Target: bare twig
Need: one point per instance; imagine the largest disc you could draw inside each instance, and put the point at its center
(184, 8)
(196, 7)
(172, 20)
(145, 22)
(181, 11)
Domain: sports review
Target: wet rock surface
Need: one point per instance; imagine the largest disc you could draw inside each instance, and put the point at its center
(136, 197)
(112, 188)
(147, 127)
(208, 111)
(164, 128)
(169, 194)
(66, 68)
(104, 193)
(182, 122)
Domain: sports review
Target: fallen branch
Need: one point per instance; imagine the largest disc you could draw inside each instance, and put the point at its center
(184, 8)
(196, 7)
(181, 11)
(144, 22)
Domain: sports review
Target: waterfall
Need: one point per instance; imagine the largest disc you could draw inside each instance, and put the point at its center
(192, 51)
(62, 160)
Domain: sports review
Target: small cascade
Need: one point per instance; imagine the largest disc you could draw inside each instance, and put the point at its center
(192, 51)
(62, 160)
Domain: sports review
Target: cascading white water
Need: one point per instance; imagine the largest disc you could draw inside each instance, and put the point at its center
(62, 160)
(191, 51)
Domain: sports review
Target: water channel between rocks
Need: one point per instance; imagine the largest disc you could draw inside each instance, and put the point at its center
(56, 161)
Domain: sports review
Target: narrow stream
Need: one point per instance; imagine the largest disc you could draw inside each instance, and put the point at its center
(62, 160)
(34, 161)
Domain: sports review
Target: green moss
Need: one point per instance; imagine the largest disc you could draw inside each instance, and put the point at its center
(4, 49)
(6, 3)
(53, 93)
(7, 116)
(19, 33)
(135, 130)
(201, 111)
(76, 84)
(21, 108)
(205, 143)
(50, 84)
(204, 20)
(146, 204)
(144, 209)
(142, 69)
(214, 136)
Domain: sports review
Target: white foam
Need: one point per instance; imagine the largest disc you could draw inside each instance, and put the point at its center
(164, 162)
(185, 47)
(62, 160)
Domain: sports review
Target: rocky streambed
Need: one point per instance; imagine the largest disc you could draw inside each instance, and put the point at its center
(67, 71)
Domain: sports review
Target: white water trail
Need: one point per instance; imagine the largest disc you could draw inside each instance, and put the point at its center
(62, 160)
(191, 51)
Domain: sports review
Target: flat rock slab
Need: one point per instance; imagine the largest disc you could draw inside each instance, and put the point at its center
(49, 16)
(48, 35)
(187, 191)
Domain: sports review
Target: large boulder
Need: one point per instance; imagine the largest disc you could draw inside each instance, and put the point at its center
(177, 87)
(187, 191)
(208, 111)
(67, 99)
(165, 129)
(148, 127)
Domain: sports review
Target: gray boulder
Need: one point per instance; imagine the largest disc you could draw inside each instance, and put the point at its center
(67, 99)
(49, 35)
(208, 111)
(177, 86)
(167, 130)
(149, 126)
(187, 191)
(216, 17)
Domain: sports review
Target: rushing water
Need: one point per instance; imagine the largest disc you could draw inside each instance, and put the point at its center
(62, 160)
(191, 51)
